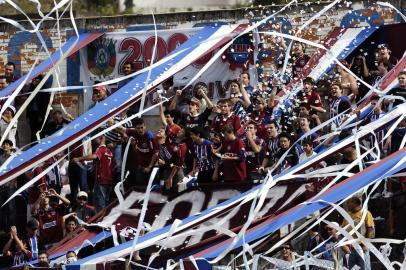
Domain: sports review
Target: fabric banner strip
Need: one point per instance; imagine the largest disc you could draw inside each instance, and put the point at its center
(340, 191)
(77, 42)
(189, 222)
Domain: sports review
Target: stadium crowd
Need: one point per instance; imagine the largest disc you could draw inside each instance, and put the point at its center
(235, 139)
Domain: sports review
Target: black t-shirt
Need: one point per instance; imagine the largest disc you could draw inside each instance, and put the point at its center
(200, 120)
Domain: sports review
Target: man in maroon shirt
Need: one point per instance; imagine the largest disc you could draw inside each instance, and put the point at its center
(104, 167)
(299, 59)
(232, 158)
(173, 153)
(225, 117)
(310, 98)
(145, 150)
(50, 217)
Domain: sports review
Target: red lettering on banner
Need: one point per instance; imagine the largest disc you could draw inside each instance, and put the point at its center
(133, 49)
(149, 47)
(175, 41)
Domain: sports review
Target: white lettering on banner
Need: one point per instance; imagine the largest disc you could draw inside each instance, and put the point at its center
(195, 198)
(298, 191)
(191, 203)
(217, 197)
(117, 211)
(277, 193)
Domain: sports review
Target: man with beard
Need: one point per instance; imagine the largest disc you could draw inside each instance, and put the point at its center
(127, 70)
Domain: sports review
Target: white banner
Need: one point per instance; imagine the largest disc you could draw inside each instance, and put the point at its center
(103, 60)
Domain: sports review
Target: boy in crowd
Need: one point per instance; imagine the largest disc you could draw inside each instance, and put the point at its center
(104, 168)
(203, 161)
(231, 155)
(253, 148)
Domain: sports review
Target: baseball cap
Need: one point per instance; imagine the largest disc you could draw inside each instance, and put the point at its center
(100, 88)
(383, 45)
(195, 101)
(81, 194)
(12, 109)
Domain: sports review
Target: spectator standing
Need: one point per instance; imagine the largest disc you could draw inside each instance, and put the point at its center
(3, 84)
(272, 147)
(349, 84)
(9, 72)
(7, 212)
(225, 117)
(310, 98)
(260, 116)
(145, 151)
(16, 249)
(231, 157)
(127, 69)
(367, 229)
(104, 167)
(83, 210)
(203, 161)
(299, 59)
(37, 108)
(292, 156)
(240, 100)
(57, 122)
(245, 82)
(400, 91)
(43, 259)
(173, 156)
(254, 146)
(193, 117)
(384, 53)
(77, 171)
(338, 105)
(5, 121)
(34, 243)
(50, 217)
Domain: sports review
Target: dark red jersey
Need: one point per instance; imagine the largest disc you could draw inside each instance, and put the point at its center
(105, 165)
(221, 121)
(145, 147)
(234, 170)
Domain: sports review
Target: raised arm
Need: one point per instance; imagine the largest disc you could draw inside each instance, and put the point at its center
(175, 100)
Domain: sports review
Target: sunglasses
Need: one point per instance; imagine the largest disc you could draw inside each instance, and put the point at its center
(235, 95)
